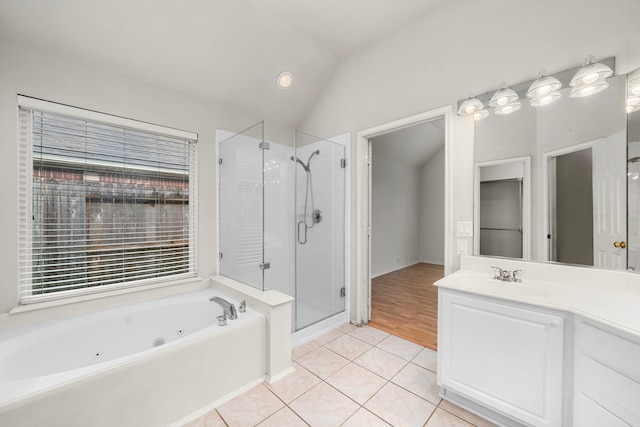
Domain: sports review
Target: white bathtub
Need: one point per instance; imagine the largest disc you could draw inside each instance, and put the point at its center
(144, 364)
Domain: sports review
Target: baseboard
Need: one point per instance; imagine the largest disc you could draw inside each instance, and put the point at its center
(374, 275)
(213, 405)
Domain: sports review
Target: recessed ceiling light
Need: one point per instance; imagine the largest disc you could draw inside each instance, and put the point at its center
(285, 80)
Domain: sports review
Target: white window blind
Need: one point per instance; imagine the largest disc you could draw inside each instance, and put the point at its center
(103, 203)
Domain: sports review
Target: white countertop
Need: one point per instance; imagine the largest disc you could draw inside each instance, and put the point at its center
(601, 300)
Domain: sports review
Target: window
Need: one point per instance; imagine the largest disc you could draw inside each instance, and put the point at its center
(104, 202)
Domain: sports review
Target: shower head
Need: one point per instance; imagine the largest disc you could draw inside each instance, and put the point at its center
(312, 154)
(295, 159)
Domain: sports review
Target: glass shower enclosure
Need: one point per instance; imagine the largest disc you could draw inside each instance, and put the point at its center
(281, 207)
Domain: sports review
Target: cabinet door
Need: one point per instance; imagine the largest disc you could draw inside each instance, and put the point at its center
(503, 356)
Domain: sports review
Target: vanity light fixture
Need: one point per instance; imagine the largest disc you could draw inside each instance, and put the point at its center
(503, 96)
(509, 108)
(284, 80)
(633, 92)
(633, 84)
(473, 105)
(505, 100)
(480, 114)
(544, 90)
(590, 79)
(633, 103)
(469, 106)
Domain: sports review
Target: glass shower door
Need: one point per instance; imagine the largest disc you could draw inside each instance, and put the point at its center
(241, 204)
(319, 229)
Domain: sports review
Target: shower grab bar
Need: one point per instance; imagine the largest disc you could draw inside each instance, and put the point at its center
(305, 233)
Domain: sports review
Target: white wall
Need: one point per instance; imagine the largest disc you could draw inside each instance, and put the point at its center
(395, 215)
(432, 209)
(27, 71)
(438, 58)
(407, 213)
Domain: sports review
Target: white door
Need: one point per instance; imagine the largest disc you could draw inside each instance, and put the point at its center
(610, 202)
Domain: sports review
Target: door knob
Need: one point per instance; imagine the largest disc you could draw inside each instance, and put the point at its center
(620, 244)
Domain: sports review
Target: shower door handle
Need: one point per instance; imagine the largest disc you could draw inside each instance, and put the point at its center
(302, 242)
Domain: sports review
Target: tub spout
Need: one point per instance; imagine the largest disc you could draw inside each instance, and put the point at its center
(228, 308)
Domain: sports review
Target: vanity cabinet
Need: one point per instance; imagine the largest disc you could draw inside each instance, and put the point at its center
(502, 357)
(606, 376)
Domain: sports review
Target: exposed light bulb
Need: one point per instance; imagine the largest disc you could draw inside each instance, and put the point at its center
(544, 90)
(502, 101)
(470, 109)
(507, 109)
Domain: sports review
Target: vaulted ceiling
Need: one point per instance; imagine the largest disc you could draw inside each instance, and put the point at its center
(228, 52)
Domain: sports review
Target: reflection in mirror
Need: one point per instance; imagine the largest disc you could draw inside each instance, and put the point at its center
(585, 178)
(633, 172)
(502, 208)
(577, 148)
(570, 193)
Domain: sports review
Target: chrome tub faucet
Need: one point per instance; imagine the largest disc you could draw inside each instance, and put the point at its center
(228, 309)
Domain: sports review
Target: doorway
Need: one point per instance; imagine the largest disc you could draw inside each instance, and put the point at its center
(407, 230)
(361, 309)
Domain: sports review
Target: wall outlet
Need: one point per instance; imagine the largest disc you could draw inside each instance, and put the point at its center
(461, 246)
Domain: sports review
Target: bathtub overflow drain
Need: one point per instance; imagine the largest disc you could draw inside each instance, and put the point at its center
(158, 341)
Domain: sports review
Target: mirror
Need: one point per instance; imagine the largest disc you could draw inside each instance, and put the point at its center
(633, 171)
(571, 156)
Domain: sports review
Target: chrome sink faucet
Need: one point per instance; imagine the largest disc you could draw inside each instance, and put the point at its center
(228, 309)
(508, 276)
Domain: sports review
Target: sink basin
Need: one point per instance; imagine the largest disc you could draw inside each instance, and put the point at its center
(487, 283)
(520, 289)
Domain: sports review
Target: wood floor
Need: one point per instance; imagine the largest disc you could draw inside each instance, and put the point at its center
(405, 303)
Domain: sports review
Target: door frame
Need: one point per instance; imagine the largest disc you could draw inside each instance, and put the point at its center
(362, 162)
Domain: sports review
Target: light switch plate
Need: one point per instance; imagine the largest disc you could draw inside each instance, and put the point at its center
(465, 228)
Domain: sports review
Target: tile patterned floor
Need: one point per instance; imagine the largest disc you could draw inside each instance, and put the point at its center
(349, 377)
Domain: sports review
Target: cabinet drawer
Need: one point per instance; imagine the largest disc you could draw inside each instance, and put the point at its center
(611, 350)
(612, 390)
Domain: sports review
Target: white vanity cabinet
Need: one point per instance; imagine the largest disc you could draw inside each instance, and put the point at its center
(606, 376)
(502, 356)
